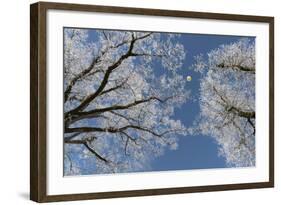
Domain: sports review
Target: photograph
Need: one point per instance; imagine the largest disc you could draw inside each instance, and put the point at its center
(130, 101)
(147, 101)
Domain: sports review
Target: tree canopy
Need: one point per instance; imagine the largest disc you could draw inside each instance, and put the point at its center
(227, 100)
(117, 109)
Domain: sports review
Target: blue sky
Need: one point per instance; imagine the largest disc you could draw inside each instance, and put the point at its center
(194, 152)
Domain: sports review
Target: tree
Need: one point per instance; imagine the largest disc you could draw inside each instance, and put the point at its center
(227, 100)
(120, 92)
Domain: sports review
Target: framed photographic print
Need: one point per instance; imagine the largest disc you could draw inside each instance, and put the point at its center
(134, 102)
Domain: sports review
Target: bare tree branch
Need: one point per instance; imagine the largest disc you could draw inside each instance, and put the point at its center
(115, 65)
(86, 144)
(237, 67)
(90, 68)
(231, 108)
(90, 114)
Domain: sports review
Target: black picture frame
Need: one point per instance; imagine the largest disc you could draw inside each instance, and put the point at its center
(38, 102)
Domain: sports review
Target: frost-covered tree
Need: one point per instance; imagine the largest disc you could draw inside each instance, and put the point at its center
(120, 91)
(227, 100)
